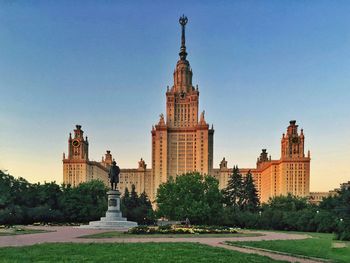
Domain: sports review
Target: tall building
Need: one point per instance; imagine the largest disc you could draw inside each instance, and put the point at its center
(180, 142)
(289, 174)
(183, 142)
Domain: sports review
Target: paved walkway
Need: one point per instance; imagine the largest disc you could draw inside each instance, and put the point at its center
(71, 234)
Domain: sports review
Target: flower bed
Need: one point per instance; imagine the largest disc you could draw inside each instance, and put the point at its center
(178, 229)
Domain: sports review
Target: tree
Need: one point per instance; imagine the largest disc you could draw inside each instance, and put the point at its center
(287, 203)
(134, 199)
(144, 213)
(23, 203)
(339, 204)
(85, 202)
(250, 194)
(190, 196)
(124, 202)
(234, 191)
(136, 208)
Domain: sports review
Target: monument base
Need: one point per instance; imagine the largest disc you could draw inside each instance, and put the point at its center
(114, 218)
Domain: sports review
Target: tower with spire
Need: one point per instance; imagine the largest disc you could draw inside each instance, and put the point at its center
(182, 142)
(77, 168)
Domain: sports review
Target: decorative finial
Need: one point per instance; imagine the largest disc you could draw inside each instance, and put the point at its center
(161, 119)
(183, 21)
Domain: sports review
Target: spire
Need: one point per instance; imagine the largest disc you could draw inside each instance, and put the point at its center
(183, 21)
(183, 73)
(202, 119)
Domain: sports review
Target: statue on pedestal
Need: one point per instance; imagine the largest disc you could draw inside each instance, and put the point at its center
(114, 218)
(113, 175)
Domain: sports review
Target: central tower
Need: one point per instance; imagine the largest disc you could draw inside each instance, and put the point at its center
(180, 142)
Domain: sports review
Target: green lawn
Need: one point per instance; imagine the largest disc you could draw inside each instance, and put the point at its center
(116, 234)
(126, 252)
(320, 245)
(19, 231)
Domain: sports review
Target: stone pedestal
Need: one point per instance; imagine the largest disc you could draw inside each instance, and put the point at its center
(114, 218)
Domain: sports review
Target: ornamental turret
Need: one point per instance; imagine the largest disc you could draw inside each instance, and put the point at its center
(78, 147)
(292, 143)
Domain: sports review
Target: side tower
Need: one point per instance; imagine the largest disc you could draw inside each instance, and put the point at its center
(75, 166)
(294, 166)
(182, 142)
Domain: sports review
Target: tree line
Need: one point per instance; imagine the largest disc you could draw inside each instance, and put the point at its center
(22, 202)
(191, 196)
(199, 199)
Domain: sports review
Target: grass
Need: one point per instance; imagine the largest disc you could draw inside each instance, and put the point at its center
(116, 234)
(321, 245)
(126, 252)
(20, 231)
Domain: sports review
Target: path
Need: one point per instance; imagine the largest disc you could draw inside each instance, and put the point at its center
(71, 234)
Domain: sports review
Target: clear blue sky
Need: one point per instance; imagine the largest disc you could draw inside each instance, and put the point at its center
(106, 64)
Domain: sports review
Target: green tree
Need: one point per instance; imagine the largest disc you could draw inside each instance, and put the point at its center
(234, 191)
(190, 196)
(136, 208)
(339, 204)
(287, 203)
(250, 194)
(7, 196)
(144, 213)
(134, 198)
(85, 202)
(124, 202)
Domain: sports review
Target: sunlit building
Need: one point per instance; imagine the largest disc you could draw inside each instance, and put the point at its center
(182, 141)
(288, 174)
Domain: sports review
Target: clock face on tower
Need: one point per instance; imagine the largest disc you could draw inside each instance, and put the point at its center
(76, 143)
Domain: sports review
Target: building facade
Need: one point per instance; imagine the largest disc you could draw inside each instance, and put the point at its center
(182, 142)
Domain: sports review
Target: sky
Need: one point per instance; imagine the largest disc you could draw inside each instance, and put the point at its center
(106, 64)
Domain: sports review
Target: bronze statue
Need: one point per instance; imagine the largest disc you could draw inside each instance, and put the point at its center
(113, 175)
